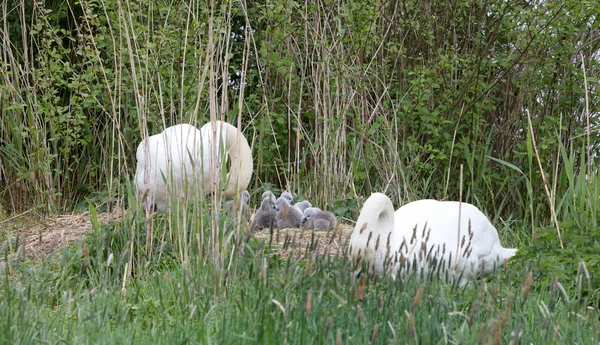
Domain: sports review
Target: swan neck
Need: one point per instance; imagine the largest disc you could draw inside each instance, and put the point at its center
(240, 154)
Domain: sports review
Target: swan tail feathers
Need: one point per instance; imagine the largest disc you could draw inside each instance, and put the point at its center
(508, 253)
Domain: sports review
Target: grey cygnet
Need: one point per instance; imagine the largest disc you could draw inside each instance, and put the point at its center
(264, 216)
(287, 216)
(315, 218)
(243, 201)
(288, 196)
(303, 205)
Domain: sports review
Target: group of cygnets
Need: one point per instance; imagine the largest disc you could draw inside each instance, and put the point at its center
(284, 213)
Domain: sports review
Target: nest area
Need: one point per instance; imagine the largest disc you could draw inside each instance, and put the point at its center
(40, 237)
(296, 241)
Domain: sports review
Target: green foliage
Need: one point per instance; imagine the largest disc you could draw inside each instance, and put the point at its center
(344, 207)
(362, 90)
(577, 206)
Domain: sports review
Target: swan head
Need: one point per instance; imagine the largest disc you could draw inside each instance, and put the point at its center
(245, 196)
(267, 194)
(370, 240)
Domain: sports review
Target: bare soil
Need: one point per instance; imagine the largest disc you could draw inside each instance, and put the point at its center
(43, 237)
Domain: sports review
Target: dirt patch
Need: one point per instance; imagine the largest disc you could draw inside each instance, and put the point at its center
(45, 236)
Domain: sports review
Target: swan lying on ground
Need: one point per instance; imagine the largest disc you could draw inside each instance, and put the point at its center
(287, 216)
(425, 235)
(190, 161)
(315, 218)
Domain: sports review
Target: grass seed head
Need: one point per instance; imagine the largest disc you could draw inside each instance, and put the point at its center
(309, 303)
(308, 268)
(328, 325)
(375, 333)
(411, 323)
(418, 296)
(361, 315)
(527, 285)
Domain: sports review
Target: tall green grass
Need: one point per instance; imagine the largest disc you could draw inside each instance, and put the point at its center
(82, 295)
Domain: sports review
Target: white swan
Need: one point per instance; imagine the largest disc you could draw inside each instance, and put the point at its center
(190, 160)
(424, 235)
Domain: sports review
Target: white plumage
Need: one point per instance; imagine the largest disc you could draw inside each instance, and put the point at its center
(425, 234)
(190, 162)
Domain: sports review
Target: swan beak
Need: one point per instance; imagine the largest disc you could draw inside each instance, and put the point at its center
(304, 220)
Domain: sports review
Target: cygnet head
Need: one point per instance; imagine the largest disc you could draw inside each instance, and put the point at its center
(245, 196)
(244, 199)
(267, 194)
(303, 205)
(270, 196)
(309, 212)
(267, 204)
(281, 202)
(288, 196)
(287, 216)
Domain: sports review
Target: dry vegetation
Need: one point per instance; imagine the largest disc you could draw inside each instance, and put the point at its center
(45, 237)
(38, 237)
